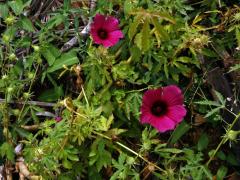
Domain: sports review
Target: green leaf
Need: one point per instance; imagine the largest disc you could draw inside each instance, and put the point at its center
(128, 6)
(170, 150)
(220, 98)
(50, 53)
(51, 94)
(202, 142)
(67, 59)
(222, 172)
(17, 6)
(235, 67)
(27, 24)
(159, 30)
(55, 21)
(209, 103)
(145, 36)
(133, 26)
(67, 164)
(165, 16)
(3, 10)
(7, 150)
(73, 157)
(181, 129)
(213, 111)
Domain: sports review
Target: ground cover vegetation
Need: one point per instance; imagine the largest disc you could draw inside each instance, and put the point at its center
(119, 89)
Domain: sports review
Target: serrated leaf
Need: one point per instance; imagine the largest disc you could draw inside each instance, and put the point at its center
(213, 111)
(17, 6)
(209, 103)
(133, 26)
(7, 150)
(55, 21)
(220, 98)
(165, 16)
(181, 129)
(27, 24)
(159, 29)
(145, 36)
(66, 59)
(50, 53)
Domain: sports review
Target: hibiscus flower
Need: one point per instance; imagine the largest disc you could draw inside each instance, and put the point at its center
(105, 30)
(163, 108)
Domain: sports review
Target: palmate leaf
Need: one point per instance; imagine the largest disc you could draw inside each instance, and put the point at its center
(134, 25)
(159, 30)
(132, 105)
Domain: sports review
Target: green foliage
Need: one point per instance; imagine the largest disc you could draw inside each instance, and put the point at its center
(51, 69)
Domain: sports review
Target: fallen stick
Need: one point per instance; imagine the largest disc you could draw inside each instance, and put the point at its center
(38, 103)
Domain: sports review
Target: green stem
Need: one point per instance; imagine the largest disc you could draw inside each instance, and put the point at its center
(223, 140)
(130, 150)
(30, 87)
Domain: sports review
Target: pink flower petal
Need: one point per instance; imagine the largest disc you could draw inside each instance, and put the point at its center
(98, 21)
(172, 95)
(96, 38)
(146, 118)
(163, 124)
(176, 113)
(107, 43)
(111, 24)
(115, 36)
(151, 96)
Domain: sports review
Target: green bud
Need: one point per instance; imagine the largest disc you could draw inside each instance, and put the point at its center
(30, 75)
(26, 95)
(10, 20)
(232, 135)
(4, 77)
(10, 89)
(16, 112)
(12, 57)
(6, 38)
(39, 61)
(36, 48)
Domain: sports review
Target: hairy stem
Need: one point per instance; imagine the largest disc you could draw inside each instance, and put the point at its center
(223, 140)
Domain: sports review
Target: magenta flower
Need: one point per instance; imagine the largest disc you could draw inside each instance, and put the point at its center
(163, 108)
(105, 30)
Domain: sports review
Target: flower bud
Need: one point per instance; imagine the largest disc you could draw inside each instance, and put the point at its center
(30, 75)
(232, 135)
(36, 48)
(12, 57)
(4, 77)
(10, 89)
(39, 61)
(6, 38)
(26, 95)
(16, 112)
(10, 20)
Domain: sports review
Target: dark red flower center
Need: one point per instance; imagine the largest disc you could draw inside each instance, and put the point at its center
(102, 33)
(159, 108)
